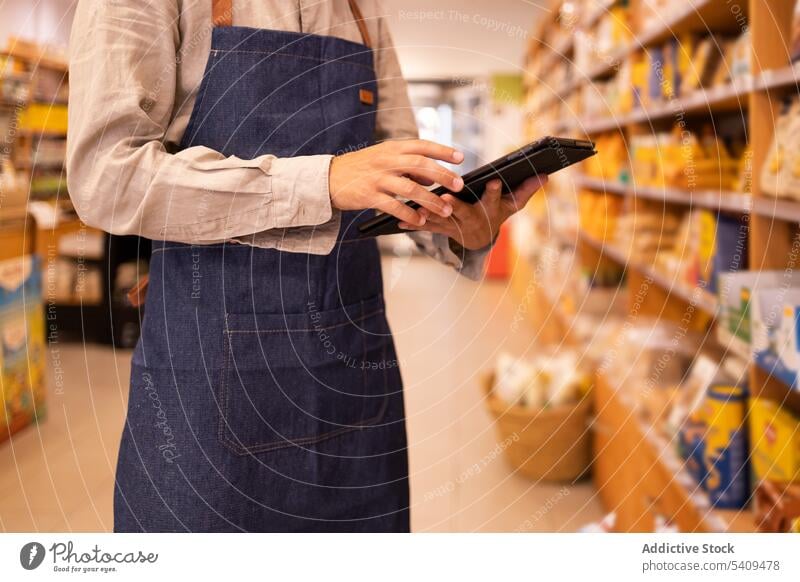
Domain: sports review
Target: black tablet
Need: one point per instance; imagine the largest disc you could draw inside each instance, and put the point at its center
(544, 156)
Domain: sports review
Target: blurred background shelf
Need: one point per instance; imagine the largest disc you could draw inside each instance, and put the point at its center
(694, 296)
(714, 199)
(683, 100)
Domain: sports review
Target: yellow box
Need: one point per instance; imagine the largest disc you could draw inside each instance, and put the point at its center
(44, 117)
(774, 441)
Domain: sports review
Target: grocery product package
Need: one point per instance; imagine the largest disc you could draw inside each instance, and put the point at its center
(541, 382)
(775, 441)
(723, 247)
(736, 292)
(713, 433)
(780, 171)
(22, 344)
(706, 60)
(648, 362)
(774, 316)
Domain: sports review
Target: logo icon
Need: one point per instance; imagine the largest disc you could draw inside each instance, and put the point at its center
(31, 555)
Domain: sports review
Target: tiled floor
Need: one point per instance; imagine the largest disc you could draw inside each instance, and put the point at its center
(58, 476)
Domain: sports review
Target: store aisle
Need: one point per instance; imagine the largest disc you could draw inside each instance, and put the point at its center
(59, 475)
(445, 327)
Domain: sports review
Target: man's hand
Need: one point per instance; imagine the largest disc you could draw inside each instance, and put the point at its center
(376, 176)
(475, 226)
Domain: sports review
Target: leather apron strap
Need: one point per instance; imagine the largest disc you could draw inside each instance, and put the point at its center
(222, 15)
(222, 12)
(362, 24)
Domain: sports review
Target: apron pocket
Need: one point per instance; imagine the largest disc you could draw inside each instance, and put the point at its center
(298, 379)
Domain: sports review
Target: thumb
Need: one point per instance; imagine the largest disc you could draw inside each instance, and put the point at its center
(492, 193)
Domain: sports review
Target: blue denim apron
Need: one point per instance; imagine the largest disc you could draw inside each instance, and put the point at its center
(265, 392)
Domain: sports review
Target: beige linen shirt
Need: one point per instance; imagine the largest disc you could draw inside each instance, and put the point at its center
(135, 68)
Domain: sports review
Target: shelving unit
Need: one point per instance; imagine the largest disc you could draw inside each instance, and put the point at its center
(38, 159)
(633, 458)
(725, 201)
(41, 146)
(731, 97)
(693, 296)
(714, 199)
(699, 15)
(555, 108)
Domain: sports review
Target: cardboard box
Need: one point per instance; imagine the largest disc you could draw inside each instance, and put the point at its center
(774, 315)
(22, 344)
(723, 248)
(775, 442)
(736, 292)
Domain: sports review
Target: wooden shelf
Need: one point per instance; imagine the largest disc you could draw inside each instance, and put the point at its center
(609, 64)
(786, 77)
(560, 95)
(43, 133)
(700, 15)
(730, 97)
(48, 102)
(35, 165)
(24, 77)
(780, 209)
(713, 520)
(769, 365)
(694, 296)
(697, 16)
(37, 60)
(734, 345)
(638, 472)
(713, 199)
(558, 52)
(11, 103)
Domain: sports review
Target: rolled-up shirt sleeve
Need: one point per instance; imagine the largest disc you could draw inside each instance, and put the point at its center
(124, 175)
(396, 120)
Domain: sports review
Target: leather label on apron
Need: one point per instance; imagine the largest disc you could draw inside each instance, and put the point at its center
(366, 96)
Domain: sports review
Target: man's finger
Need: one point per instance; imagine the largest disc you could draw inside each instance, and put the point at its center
(430, 227)
(430, 149)
(427, 170)
(460, 208)
(399, 210)
(407, 188)
(433, 223)
(491, 195)
(420, 180)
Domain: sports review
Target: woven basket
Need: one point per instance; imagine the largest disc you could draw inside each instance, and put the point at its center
(552, 444)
